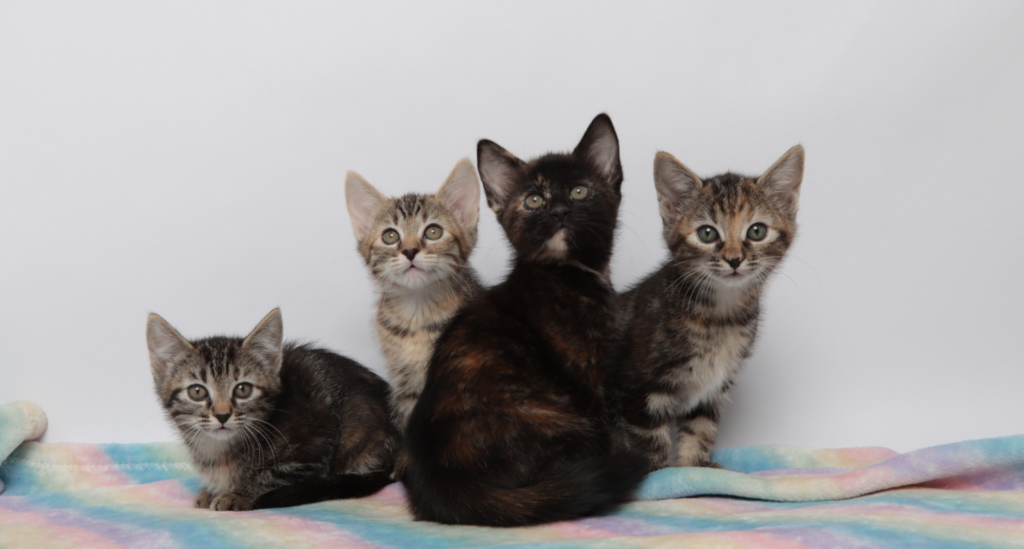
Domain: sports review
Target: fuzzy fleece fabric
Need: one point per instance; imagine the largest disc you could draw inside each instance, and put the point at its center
(965, 494)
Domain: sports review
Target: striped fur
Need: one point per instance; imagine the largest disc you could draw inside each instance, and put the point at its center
(690, 325)
(418, 296)
(310, 418)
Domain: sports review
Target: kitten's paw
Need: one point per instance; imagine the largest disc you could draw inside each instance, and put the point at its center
(203, 499)
(709, 464)
(230, 501)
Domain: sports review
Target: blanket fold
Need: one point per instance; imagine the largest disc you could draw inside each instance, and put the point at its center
(19, 421)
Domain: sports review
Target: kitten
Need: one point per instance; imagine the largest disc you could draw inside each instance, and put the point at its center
(272, 425)
(512, 426)
(690, 324)
(417, 248)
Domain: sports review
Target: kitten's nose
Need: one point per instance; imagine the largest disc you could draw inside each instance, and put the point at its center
(734, 262)
(410, 252)
(222, 418)
(559, 211)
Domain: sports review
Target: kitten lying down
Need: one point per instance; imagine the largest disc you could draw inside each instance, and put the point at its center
(270, 424)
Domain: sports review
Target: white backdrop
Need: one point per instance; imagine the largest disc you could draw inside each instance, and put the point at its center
(187, 158)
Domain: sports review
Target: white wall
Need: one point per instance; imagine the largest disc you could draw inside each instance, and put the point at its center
(187, 158)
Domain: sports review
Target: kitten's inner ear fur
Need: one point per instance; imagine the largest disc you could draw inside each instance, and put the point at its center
(675, 183)
(165, 344)
(265, 340)
(364, 204)
(498, 170)
(600, 146)
(783, 179)
(461, 193)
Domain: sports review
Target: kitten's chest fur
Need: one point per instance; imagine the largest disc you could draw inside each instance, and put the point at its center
(683, 350)
(223, 466)
(408, 326)
(716, 353)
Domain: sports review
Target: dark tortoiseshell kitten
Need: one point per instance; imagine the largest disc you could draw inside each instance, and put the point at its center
(690, 324)
(512, 426)
(271, 424)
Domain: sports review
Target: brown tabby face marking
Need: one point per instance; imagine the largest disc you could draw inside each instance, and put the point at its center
(220, 389)
(415, 241)
(730, 231)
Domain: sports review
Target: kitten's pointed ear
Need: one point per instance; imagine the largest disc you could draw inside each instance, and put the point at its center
(363, 202)
(783, 179)
(498, 171)
(461, 193)
(675, 183)
(165, 344)
(265, 340)
(600, 146)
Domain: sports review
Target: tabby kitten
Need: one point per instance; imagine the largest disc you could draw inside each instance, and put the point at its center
(512, 426)
(690, 324)
(271, 424)
(417, 248)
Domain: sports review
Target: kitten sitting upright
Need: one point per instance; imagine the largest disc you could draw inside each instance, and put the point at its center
(272, 425)
(417, 248)
(512, 427)
(690, 324)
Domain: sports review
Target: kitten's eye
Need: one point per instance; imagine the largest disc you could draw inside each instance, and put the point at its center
(707, 234)
(534, 201)
(433, 232)
(580, 192)
(197, 392)
(757, 232)
(390, 236)
(243, 390)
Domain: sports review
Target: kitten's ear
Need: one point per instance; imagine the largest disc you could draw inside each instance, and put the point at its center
(783, 179)
(600, 147)
(675, 183)
(165, 344)
(363, 202)
(461, 193)
(266, 338)
(498, 171)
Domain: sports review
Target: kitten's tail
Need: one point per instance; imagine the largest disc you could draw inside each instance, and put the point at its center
(589, 487)
(323, 489)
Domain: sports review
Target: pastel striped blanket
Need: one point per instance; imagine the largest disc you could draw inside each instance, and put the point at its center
(967, 494)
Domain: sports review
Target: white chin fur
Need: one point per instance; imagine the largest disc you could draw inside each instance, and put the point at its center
(220, 434)
(557, 245)
(415, 278)
(734, 279)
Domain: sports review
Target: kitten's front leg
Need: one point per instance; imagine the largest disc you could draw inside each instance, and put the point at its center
(231, 501)
(655, 443)
(698, 430)
(203, 499)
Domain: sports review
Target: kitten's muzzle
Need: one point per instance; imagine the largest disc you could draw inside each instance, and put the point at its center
(223, 418)
(560, 212)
